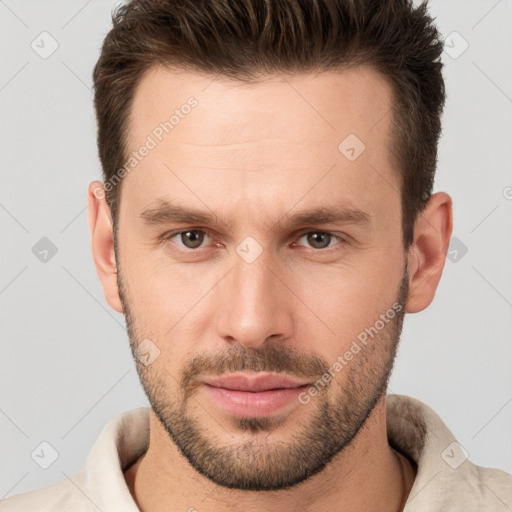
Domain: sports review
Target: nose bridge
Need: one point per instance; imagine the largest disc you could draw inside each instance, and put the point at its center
(253, 305)
(253, 274)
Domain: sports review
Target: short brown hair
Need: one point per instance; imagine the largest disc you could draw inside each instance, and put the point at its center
(243, 39)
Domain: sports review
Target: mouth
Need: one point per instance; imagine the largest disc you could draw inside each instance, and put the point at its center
(254, 396)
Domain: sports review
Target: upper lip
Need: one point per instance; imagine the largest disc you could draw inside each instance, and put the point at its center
(261, 382)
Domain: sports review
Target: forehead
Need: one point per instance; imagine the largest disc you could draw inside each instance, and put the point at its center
(330, 102)
(282, 132)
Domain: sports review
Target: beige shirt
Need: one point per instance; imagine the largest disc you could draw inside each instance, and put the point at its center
(446, 480)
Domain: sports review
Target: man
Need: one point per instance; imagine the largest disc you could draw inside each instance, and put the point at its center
(265, 222)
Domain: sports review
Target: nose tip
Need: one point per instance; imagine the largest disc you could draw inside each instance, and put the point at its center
(250, 339)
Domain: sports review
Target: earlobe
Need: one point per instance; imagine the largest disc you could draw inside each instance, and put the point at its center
(102, 243)
(427, 254)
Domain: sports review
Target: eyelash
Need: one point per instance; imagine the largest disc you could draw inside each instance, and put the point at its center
(170, 235)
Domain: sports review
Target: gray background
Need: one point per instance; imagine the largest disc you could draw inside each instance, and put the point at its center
(65, 365)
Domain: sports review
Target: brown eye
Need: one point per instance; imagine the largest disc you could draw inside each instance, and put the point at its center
(190, 238)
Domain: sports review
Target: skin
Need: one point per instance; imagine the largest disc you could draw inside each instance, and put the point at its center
(254, 155)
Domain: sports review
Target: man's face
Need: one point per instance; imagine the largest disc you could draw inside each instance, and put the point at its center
(256, 288)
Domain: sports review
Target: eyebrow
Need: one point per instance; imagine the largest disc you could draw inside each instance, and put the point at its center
(167, 213)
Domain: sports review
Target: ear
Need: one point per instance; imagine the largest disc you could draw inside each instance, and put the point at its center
(102, 239)
(427, 254)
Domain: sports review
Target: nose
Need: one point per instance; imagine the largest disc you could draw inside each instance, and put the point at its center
(254, 302)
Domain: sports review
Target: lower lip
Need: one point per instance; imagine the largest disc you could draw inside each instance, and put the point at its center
(254, 404)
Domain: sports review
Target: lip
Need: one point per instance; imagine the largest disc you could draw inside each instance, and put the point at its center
(260, 382)
(254, 396)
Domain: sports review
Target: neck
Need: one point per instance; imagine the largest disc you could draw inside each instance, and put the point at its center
(367, 475)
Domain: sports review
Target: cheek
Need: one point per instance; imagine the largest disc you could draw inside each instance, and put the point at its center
(337, 304)
(170, 303)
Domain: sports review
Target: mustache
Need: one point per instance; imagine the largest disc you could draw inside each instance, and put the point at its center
(269, 358)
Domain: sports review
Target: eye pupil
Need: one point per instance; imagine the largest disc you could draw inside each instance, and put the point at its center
(315, 239)
(192, 239)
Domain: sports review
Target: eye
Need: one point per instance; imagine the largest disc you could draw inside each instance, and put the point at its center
(193, 239)
(320, 239)
(189, 238)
